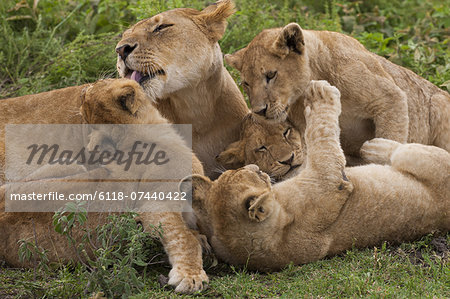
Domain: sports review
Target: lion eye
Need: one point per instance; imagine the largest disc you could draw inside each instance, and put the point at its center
(287, 132)
(245, 84)
(270, 75)
(161, 27)
(249, 201)
(261, 149)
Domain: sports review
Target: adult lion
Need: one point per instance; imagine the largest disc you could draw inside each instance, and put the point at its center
(119, 101)
(177, 60)
(379, 98)
(327, 208)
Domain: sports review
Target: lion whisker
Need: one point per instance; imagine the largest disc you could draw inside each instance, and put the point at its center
(219, 169)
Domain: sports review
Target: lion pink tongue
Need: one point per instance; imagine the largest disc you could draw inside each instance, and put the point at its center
(136, 76)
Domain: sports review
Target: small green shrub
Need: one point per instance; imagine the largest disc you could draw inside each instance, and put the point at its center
(112, 258)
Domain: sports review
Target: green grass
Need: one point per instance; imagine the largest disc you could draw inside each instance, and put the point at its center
(63, 43)
(419, 269)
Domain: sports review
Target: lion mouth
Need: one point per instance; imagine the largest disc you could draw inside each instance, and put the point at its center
(142, 77)
(291, 168)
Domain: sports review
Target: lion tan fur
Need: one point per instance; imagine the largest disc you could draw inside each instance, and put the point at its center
(327, 208)
(379, 98)
(177, 54)
(53, 107)
(120, 101)
(275, 147)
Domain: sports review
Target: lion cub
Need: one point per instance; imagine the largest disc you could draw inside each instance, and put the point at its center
(275, 147)
(111, 101)
(327, 208)
(379, 98)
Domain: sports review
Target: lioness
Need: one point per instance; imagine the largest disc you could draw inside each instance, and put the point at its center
(275, 147)
(176, 58)
(119, 101)
(327, 208)
(379, 98)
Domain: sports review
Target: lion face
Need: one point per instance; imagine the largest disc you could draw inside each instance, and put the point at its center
(229, 197)
(275, 147)
(274, 70)
(174, 49)
(117, 101)
(232, 208)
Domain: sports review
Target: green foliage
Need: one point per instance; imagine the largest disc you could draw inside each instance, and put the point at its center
(112, 258)
(62, 43)
(415, 270)
(32, 252)
(412, 33)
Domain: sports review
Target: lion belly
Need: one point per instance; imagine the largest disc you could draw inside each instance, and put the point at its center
(386, 205)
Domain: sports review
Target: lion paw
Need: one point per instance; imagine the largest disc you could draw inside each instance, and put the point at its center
(322, 96)
(187, 280)
(97, 139)
(378, 150)
(203, 240)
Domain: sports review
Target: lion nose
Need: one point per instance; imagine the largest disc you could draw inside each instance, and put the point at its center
(262, 112)
(125, 50)
(252, 167)
(288, 161)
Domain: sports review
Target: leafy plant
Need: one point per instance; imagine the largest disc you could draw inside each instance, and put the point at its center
(113, 255)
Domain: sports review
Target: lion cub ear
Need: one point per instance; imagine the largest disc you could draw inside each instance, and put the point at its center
(214, 18)
(196, 188)
(235, 59)
(232, 157)
(259, 209)
(128, 101)
(289, 39)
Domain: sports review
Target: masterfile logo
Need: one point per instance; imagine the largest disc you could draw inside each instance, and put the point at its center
(113, 167)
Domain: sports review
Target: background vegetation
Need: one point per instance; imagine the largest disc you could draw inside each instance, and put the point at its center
(52, 44)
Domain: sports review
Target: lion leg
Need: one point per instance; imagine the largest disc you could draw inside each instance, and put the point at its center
(426, 163)
(325, 160)
(324, 154)
(380, 98)
(379, 150)
(430, 165)
(391, 118)
(183, 249)
(439, 120)
(49, 171)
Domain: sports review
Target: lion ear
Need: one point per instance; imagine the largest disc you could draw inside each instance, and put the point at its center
(214, 18)
(128, 101)
(196, 188)
(232, 157)
(259, 209)
(290, 39)
(235, 59)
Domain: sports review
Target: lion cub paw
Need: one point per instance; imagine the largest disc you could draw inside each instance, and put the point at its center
(186, 280)
(320, 96)
(97, 139)
(378, 150)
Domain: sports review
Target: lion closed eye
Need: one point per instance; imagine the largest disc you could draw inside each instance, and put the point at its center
(173, 56)
(275, 147)
(326, 208)
(379, 98)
